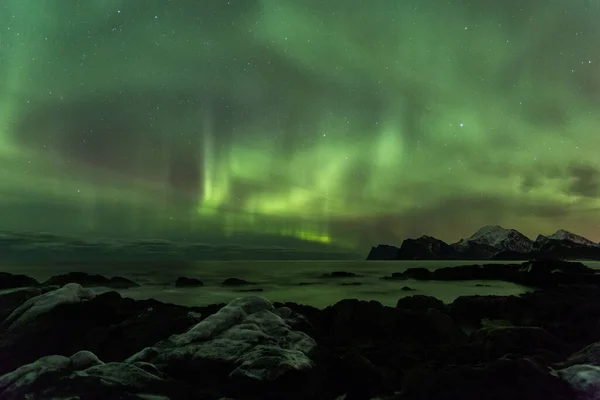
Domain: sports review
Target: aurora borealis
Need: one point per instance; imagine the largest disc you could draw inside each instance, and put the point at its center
(342, 122)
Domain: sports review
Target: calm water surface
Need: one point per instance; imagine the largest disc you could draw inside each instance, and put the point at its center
(280, 280)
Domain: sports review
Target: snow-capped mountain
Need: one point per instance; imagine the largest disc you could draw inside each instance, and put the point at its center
(562, 234)
(499, 238)
(492, 242)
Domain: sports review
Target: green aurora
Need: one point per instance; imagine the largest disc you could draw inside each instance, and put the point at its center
(343, 122)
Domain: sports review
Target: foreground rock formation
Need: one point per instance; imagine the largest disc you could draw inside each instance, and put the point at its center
(68, 342)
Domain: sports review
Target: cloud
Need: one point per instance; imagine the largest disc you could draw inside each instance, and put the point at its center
(584, 180)
(29, 247)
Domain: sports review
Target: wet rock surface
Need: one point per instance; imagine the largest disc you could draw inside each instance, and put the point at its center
(183, 281)
(543, 344)
(91, 280)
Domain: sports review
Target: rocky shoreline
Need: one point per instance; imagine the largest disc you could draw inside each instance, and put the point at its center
(60, 340)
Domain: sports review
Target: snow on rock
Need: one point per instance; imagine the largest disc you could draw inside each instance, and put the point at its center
(562, 234)
(500, 238)
(60, 377)
(267, 363)
(26, 375)
(14, 383)
(70, 293)
(248, 335)
(583, 378)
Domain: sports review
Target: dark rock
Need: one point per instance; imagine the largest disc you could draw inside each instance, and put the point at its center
(420, 303)
(10, 281)
(182, 281)
(71, 320)
(475, 251)
(522, 340)
(246, 347)
(356, 376)
(535, 273)
(351, 322)
(499, 379)
(384, 252)
(351, 283)
(253, 349)
(492, 242)
(396, 276)
(566, 250)
(340, 274)
(11, 300)
(584, 379)
(482, 285)
(422, 248)
(449, 332)
(469, 310)
(417, 273)
(252, 290)
(426, 248)
(90, 280)
(588, 355)
(476, 272)
(407, 289)
(235, 282)
(83, 375)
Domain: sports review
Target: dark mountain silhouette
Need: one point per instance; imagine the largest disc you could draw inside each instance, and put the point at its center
(492, 242)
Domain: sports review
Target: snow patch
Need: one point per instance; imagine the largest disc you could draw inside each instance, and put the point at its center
(583, 378)
(249, 334)
(500, 238)
(70, 293)
(562, 234)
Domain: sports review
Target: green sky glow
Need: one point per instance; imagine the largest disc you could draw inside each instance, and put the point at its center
(342, 122)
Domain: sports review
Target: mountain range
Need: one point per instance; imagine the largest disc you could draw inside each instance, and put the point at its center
(492, 242)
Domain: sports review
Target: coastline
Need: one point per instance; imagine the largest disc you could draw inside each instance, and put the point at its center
(108, 346)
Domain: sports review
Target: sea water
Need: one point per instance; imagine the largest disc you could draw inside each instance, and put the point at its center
(294, 281)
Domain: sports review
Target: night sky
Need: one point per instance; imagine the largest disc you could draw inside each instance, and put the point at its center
(344, 122)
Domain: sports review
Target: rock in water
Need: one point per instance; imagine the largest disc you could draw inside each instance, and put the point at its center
(340, 274)
(236, 282)
(10, 281)
(87, 280)
(182, 281)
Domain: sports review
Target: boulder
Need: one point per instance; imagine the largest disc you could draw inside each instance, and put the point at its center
(83, 375)
(414, 273)
(10, 281)
(91, 280)
(71, 319)
(499, 379)
(182, 281)
(522, 340)
(589, 355)
(420, 303)
(30, 309)
(584, 379)
(246, 343)
(340, 274)
(11, 300)
(236, 282)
